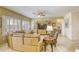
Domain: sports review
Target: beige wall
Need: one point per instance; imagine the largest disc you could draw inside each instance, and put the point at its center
(75, 25)
(4, 11)
(47, 19)
(72, 31)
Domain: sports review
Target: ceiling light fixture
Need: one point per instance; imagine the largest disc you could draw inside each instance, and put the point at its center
(39, 13)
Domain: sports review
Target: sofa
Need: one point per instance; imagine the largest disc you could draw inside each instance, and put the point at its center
(25, 42)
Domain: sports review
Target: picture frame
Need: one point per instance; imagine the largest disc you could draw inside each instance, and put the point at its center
(67, 23)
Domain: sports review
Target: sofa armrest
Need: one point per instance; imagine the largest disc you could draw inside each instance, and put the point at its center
(40, 45)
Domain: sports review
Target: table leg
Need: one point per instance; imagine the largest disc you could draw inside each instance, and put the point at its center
(52, 47)
(45, 47)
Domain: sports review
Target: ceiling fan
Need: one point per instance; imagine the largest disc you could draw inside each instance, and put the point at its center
(39, 13)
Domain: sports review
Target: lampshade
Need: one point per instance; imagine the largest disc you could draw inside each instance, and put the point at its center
(49, 28)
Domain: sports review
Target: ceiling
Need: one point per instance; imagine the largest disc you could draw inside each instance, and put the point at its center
(50, 11)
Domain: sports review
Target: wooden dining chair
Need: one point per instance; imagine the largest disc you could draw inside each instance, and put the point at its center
(55, 38)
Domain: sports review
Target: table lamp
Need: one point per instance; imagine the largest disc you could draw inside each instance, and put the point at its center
(49, 28)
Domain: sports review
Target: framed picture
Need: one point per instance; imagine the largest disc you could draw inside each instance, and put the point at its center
(67, 23)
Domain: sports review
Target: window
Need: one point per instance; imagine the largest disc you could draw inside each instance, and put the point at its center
(11, 23)
(14, 24)
(19, 25)
(25, 25)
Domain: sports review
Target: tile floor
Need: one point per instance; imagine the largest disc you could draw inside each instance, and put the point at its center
(63, 45)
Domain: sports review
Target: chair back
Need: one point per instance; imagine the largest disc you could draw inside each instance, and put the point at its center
(56, 35)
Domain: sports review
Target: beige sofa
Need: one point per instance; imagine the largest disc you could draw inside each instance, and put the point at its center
(25, 42)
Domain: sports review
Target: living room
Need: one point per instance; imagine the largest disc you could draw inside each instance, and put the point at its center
(26, 31)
